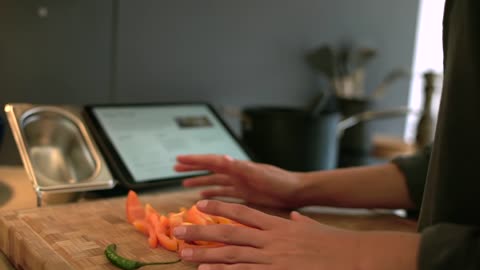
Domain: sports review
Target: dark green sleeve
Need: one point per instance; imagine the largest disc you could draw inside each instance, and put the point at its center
(449, 246)
(415, 168)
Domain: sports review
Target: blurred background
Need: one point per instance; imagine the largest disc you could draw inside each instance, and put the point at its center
(233, 54)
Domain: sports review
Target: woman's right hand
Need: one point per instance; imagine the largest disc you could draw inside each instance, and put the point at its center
(256, 183)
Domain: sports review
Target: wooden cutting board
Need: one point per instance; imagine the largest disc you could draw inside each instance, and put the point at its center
(74, 236)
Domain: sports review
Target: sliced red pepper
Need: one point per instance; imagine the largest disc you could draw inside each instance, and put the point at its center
(175, 219)
(152, 237)
(222, 220)
(161, 229)
(167, 242)
(134, 207)
(194, 216)
(149, 210)
(141, 226)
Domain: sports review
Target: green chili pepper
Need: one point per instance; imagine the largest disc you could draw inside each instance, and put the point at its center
(127, 264)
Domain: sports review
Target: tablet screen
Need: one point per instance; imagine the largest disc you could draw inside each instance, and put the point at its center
(148, 138)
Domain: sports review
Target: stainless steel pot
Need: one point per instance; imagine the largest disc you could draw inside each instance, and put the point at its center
(296, 140)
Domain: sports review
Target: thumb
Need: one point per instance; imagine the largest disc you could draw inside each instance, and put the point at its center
(296, 216)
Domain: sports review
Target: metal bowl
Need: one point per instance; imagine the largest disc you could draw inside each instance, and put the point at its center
(57, 150)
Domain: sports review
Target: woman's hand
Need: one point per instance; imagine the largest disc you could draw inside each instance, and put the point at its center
(270, 242)
(253, 182)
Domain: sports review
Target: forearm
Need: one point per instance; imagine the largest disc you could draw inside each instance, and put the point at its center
(388, 250)
(380, 186)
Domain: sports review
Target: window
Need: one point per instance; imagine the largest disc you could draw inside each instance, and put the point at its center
(428, 55)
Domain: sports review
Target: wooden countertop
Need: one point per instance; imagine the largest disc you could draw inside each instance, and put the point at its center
(16, 191)
(34, 220)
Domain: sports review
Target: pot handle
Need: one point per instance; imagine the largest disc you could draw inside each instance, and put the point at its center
(372, 115)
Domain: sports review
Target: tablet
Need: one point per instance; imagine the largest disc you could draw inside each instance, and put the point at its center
(140, 142)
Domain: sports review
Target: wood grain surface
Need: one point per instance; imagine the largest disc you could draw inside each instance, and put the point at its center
(74, 236)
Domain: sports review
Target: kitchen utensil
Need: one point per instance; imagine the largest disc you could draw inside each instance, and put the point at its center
(352, 85)
(324, 102)
(323, 60)
(344, 56)
(372, 115)
(389, 79)
(292, 139)
(57, 150)
(352, 63)
(362, 56)
(357, 138)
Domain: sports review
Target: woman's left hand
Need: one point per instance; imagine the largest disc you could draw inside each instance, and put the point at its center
(271, 242)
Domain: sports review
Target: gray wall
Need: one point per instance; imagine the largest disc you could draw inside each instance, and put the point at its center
(233, 53)
(251, 52)
(62, 58)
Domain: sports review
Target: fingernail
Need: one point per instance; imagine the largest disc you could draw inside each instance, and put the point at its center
(204, 267)
(179, 231)
(187, 253)
(202, 204)
(229, 158)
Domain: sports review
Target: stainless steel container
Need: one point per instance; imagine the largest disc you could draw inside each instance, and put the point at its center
(57, 150)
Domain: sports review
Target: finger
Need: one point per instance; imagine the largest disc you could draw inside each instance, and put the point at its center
(296, 216)
(208, 180)
(226, 254)
(222, 192)
(223, 233)
(187, 168)
(204, 160)
(216, 163)
(237, 266)
(239, 213)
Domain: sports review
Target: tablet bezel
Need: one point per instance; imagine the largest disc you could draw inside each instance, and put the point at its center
(117, 165)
